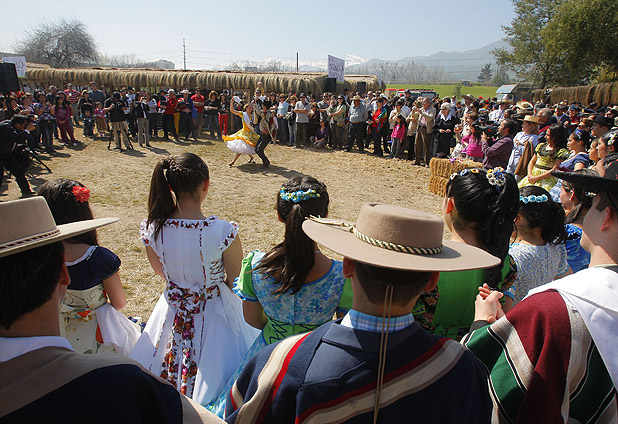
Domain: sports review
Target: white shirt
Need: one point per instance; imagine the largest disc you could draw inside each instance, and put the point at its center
(12, 347)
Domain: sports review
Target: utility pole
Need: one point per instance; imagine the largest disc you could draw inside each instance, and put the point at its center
(184, 55)
(296, 61)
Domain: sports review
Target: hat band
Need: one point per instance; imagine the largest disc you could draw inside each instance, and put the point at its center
(380, 243)
(28, 240)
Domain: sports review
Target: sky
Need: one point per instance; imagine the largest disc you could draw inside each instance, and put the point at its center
(226, 31)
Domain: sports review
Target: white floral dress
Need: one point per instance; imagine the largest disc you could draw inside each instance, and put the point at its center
(196, 335)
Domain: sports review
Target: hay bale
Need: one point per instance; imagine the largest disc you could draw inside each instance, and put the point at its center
(441, 170)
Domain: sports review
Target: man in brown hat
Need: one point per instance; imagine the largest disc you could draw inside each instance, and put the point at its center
(552, 358)
(41, 379)
(376, 362)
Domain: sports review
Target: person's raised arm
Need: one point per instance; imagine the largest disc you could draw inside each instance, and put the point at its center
(233, 109)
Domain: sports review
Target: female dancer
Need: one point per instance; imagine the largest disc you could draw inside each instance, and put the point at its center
(479, 209)
(294, 287)
(90, 309)
(196, 335)
(242, 142)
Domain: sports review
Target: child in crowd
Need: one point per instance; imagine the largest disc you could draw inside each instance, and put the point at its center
(196, 335)
(472, 144)
(576, 202)
(99, 115)
(88, 123)
(538, 250)
(90, 310)
(397, 135)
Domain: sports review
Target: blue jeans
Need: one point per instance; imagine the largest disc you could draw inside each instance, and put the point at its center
(283, 132)
(213, 124)
(292, 135)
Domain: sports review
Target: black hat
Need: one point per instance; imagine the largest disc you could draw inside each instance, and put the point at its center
(267, 103)
(603, 120)
(116, 95)
(608, 183)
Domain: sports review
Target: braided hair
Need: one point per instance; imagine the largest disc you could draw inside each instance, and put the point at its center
(291, 260)
(177, 174)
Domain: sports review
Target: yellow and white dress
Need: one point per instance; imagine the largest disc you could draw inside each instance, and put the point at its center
(243, 141)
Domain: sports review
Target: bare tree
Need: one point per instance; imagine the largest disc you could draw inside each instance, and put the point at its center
(60, 44)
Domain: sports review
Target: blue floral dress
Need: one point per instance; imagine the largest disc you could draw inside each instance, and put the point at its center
(577, 257)
(288, 314)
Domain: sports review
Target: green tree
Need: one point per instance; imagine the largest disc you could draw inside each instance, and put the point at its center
(501, 77)
(61, 44)
(528, 56)
(485, 75)
(457, 90)
(583, 35)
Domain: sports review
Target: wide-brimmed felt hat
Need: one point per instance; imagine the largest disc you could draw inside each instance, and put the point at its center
(185, 92)
(531, 118)
(469, 96)
(594, 183)
(395, 237)
(523, 104)
(356, 98)
(28, 223)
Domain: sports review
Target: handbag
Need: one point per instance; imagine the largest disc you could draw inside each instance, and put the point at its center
(526, 157)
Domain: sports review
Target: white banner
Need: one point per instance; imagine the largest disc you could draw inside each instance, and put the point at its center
(336, 67)
(20, 64)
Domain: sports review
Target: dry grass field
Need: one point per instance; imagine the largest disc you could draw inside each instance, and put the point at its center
(119, 184)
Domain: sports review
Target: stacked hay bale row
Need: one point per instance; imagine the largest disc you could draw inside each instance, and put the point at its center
(441, 170)
(603, 94)
(152, 80)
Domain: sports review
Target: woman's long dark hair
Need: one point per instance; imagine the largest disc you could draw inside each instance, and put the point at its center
(65, 207)
(489, 210)
(559, 136)
(182, 173)
(584, 201)
(290, 261)
(548, 216)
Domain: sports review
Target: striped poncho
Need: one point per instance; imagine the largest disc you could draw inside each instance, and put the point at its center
(544, 365)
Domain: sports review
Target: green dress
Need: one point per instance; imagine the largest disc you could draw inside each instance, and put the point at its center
(448, 310)
(545, 161)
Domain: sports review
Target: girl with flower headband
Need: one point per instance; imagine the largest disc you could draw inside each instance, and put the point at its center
(196, 335)
(576, 202)
(607, 144)
(479, 209)
(294, 287)
(90, 310)
(538, 250)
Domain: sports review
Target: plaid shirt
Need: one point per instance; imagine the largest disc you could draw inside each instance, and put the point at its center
(360, 321)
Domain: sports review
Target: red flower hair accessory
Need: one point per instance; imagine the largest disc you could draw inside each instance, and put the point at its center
(82, 194)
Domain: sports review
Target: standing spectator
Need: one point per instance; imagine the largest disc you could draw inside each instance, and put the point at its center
(323, 105)
(412, 121)
(358, 121)
(560, 117)
(212, 114)
(423, 134)
(198, 104)
(153, 115)
(73, 97)
(116, 107)
(99, 119)
(337, 113)
(46, 124)
(378, 120)
(185, 107)
(529, 128)
(314, 119)
(301, 109)
(62, 114)
(51, 99)
(443, 128)
(85, 102)
(291, 118)
(168, 106)
(224, 113)
(96, 95)
(283, 132)
(544, 116)
(397, 136)
(141, 113)
(498, 150)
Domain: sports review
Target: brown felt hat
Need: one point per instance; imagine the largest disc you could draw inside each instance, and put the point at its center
(391, 236)
(28, 223)
(531, 118)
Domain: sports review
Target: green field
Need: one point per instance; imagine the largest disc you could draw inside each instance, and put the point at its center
(483, 91)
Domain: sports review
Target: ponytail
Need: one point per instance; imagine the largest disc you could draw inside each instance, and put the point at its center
(291, 260)
(179, 174)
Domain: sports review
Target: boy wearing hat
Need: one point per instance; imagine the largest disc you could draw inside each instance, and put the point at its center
(553, 358)
(375, 363)
(267, 130)
(41, 378)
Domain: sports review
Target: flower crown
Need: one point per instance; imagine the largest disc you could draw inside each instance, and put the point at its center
(298, 196)
(82, 194)
(495, 176)
(612, 139)
(533, 199)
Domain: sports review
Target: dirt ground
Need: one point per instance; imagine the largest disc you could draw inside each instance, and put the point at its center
(119, 184)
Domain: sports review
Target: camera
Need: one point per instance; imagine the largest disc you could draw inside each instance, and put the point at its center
(490, 128)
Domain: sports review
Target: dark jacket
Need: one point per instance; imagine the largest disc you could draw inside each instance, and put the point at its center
(9, 137)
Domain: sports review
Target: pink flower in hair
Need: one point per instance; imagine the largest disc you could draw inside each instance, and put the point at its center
(82, 194)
